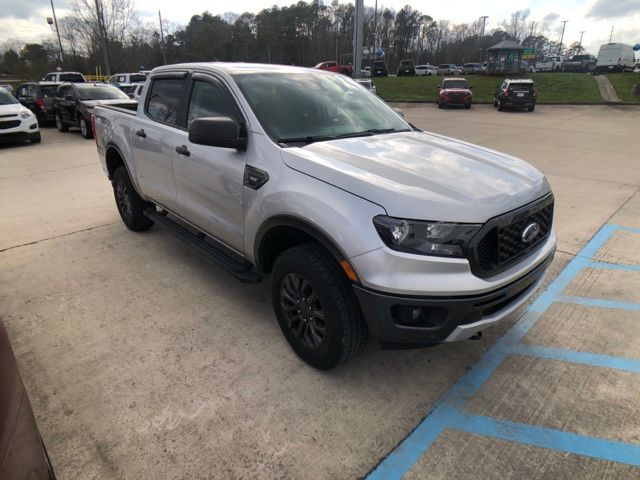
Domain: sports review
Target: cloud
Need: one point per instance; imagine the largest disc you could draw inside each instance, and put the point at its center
(614, 8)
(551, 18)
(24, 9)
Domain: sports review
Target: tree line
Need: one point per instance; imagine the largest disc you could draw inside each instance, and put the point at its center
(303, 33)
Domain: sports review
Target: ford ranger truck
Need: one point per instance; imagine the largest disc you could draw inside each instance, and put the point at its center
(365, 224)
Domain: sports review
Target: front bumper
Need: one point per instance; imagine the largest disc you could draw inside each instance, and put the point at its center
(448, 318)
(455, 100)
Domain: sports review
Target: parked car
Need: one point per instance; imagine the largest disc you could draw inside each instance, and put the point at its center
(7, 86)
(366, 72)
(136, 90)
(471, 68)
(74, 104)
(636, 69)
(333, 66)
(368, 84)
(516, 93)
(550, 64)
(23, 455)
(17, 122)
(124, 80)
(454, 91)
(448, 69)
(427, 69)
(579, 63)
(526, 67)
(615, 57)
(73, 77)
(406, 68)
(38, 97)
(379, 69)
(318, 194)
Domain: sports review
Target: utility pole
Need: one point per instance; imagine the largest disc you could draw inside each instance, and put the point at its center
(564, 24)
(611, 34)
(484, 22)
(375, 31)
(162, 45)
(581, 34)
(55, 21)
(357, 37)
(103, 38)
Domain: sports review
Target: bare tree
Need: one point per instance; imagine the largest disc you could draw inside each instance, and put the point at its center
(516, 25)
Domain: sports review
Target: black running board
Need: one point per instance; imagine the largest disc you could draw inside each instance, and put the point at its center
(241, 270)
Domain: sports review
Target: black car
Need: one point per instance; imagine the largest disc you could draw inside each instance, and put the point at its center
(38, 97)
(406, 68)
(74, 104)
(379, 69)
(516, 93)
(579, 63)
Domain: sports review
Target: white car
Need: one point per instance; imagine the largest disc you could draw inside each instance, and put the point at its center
(16, 121)
(367, 83)
(422, 70)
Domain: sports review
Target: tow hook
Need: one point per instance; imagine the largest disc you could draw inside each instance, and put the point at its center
(477, 336)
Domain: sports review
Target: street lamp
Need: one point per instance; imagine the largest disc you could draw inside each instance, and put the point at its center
(53, 22)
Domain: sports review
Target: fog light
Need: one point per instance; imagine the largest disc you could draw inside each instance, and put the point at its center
(416, 313)
(415, 316)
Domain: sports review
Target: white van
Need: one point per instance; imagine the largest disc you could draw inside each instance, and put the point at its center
(615, 57)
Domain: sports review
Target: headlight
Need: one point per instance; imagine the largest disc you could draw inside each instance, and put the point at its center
(439, 239)
(26, 114)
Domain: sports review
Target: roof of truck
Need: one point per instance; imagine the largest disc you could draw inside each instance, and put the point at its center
(236, 67)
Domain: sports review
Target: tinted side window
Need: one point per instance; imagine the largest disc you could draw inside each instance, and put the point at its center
(164, 98)
(208, 100)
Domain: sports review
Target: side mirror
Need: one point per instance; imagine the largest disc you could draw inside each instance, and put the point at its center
(439, 85)
(470, 88)
(69, 98)
(217, 132)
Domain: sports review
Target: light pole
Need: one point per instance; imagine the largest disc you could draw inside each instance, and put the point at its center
(564, 23)
(103, 37)
(358, 19)
(164, 48)
(581, 34)
(484, 21)
(55, 22)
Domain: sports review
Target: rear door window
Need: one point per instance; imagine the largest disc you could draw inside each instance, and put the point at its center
(164, 99)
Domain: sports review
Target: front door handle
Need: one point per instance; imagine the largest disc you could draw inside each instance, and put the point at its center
(182, 150)
(141, 133)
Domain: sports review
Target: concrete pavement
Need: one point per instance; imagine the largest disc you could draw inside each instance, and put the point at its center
(144, 361)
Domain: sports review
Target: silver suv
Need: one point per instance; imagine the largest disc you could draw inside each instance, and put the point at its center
(364, 223)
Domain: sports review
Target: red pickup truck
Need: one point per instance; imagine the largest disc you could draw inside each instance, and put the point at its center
(333, 66)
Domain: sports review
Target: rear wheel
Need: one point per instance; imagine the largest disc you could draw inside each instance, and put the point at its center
(467, 106)
(60, 125)
(130, 205)
(500, 106)
(531, 108)
(316, 308)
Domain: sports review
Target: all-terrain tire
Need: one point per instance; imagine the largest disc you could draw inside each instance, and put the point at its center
(60, 125)
(85, 128)
(130, 205)
(345, 332)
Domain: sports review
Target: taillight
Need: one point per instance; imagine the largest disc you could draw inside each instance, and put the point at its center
(505, 93)
(93, 128)
(40, 103)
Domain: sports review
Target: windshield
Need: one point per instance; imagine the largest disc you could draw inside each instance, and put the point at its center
(138, 77)
(6, 98)
(521, 86)
(100, 92)
(455, 84)
(71, 77)
(406, 62)
(379, 64)
(315, 107)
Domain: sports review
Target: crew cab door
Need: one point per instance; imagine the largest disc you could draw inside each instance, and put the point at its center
(66, 104)
(209, 179)
(155, 135)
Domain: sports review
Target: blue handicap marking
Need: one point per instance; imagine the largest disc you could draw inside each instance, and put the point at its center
(449, 412)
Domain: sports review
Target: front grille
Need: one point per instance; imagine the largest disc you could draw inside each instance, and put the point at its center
(499, 243)
(9, 124)
(9, 116)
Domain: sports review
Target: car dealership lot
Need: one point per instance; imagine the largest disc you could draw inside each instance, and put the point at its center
(143, 360)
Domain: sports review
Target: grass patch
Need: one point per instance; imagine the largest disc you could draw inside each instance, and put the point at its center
(552, 87)
(623, 84)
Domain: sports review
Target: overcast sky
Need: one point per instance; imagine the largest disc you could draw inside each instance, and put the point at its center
(25, 19)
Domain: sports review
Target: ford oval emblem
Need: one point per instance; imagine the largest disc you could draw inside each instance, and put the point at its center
(530, 232)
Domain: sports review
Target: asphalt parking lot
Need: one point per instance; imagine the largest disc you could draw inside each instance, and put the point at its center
(143, 360)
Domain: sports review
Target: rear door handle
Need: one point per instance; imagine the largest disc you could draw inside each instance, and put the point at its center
(182, 150)
(141, 133)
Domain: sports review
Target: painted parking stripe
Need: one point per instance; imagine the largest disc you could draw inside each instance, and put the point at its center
(613, 266)
(584, 358)
(600, 302)
(449, 412)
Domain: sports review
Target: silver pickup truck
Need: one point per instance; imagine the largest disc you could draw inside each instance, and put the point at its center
(364, 223)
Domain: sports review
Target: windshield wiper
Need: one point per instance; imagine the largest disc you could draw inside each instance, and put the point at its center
(323, 138)
(369, 132)
(308, 139)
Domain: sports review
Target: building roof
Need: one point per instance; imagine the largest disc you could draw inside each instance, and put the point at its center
(506, 45)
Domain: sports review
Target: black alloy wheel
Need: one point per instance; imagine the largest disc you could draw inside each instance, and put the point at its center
(303, 311)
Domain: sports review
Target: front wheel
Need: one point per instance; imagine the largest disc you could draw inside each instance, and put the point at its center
(60, 125)
(130, 205)
(531, 108)
(500, 106)
(316, 308)
(467, 106)
(85, 129)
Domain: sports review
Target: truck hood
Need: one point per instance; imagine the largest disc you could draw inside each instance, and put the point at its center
(113, 101)
(11, 109)
(422, 176)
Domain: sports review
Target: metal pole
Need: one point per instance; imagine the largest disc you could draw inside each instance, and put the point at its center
(581, 34)
(357, 38)
(564, 23)
(55, 21)
(375, 31)
(162, 45)
(103, 38)
(484, 21)
(611, 34)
